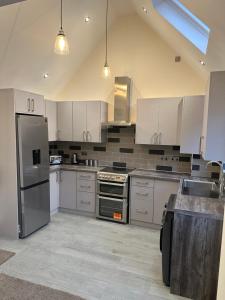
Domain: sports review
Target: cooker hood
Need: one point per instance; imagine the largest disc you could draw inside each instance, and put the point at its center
(122, 95)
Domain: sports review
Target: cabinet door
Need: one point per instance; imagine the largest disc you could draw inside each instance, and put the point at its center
(79, 121)
(168, 121)
(67, 189)
(22, 102)
(191, 124)
(147, 121)
(141, 204)
(65, 121)
(51, 114)
(162, 191)
(94, 121)
(54, 192)
(37, 104)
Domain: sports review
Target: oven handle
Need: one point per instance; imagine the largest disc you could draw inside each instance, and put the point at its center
(111, 183)
(109, 198)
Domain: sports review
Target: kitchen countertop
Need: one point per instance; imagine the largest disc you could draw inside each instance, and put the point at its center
(82, 168)
(172, 176)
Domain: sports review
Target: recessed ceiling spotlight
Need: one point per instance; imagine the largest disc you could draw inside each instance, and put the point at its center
(45, 75)
(145, 9)
(202, 62)
(87, 19)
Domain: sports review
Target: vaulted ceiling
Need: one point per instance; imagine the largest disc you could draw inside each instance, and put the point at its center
(28, 30)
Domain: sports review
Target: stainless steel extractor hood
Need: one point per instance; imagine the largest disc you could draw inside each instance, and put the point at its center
(8, 2)
(122, 95)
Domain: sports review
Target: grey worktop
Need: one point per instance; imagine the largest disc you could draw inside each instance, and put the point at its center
(186, 204)
(171, 176)
(80, 168)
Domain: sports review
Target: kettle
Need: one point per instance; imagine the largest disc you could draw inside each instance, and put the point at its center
(75, 158)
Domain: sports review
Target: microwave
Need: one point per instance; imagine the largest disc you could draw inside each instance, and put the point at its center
(55, 159)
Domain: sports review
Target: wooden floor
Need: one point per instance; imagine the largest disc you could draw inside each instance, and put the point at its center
(91, 258)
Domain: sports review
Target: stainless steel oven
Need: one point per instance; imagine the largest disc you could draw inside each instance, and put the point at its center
(112, 194)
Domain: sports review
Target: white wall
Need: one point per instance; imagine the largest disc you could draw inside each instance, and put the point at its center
(136, 51)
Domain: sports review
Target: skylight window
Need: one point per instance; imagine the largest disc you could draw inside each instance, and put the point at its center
(185, 22)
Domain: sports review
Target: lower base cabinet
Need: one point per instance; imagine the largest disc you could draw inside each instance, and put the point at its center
(67, 190)
(148, 198)
(54, 192)
(86, 202)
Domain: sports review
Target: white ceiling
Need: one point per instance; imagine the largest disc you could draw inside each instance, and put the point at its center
(28, 30)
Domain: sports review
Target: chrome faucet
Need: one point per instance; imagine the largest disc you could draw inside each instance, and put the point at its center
(221, 178)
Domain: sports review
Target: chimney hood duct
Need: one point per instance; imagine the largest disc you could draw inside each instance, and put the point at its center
(122, 99)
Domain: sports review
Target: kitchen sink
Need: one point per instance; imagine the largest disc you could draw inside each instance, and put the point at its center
(200, 188)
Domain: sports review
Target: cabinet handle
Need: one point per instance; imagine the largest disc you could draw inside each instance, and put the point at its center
(84, 136)
(142, 183)
(60, 177)
(85, 202)
(140, 194)
(153, 139)
(85, 177)
(32, 101)
(141, 212)
(85, 186)
(28, 104)
(200, 144)
(57, 177)
(88, 135)
(160, 138)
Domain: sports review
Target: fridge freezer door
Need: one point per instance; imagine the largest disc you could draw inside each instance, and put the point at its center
(32, 149)
(34, 208)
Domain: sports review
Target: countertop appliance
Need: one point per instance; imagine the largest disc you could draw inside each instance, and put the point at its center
(33, 173)
(166, 237)
(113, 194)
(75, 158)
(55, 159)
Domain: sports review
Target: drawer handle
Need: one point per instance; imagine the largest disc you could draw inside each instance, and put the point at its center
(85, 186)
(85, 177)
(85, 202)
(143, 195)
(141, 212)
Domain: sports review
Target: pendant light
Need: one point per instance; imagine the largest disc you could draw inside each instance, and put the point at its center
(106, 68)
(61, 42)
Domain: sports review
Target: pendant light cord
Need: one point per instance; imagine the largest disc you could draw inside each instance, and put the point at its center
(61, 16)
(106, 31)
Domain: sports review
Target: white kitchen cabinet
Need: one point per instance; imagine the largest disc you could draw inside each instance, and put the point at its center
(54, 192)
(67, 190)
(162, 191)
(29, 103)
(88, 117)
(51, 114)
(157, 121)
(213, 140)
(191, 110)
(65, 120)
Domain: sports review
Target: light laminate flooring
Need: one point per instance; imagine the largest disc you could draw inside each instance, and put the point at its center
(91, 258)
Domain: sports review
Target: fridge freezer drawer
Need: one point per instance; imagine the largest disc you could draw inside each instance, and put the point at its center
(34, 208)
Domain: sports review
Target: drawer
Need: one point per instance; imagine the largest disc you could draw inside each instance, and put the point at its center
(145, 182)
(86, 176)
(86, 186)
(86, 201)
(142, 204)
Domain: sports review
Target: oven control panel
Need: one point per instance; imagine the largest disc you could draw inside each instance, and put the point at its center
(112, 177)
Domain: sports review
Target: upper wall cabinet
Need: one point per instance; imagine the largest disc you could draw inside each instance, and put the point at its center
(29, 103)
(51, 114)
(191, 111)
(88, 117)
(213, 137)
(157, 121)
(65, 120)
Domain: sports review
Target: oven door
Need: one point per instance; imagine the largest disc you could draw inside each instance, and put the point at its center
(111, 209)
(112, 189)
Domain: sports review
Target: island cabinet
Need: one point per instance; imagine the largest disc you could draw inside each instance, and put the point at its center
(195, 256)
(148, 198)
(157, 121)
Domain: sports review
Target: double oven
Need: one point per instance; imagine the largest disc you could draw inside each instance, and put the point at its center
(112, 194)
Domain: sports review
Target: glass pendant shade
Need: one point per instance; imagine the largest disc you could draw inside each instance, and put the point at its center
(61, 44)
(106, 70)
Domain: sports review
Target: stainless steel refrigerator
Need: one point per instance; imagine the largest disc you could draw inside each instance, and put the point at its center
(33, 173)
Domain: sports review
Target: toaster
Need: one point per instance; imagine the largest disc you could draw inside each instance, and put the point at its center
(55, 159)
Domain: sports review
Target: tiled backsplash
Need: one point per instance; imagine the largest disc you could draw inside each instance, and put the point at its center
(121, 147)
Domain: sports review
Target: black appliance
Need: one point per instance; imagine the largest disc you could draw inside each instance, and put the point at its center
(166, 237)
